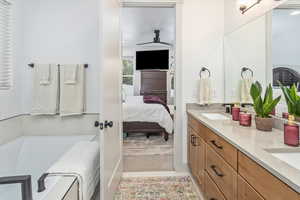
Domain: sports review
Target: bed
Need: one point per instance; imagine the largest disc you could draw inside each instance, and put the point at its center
(146, 114)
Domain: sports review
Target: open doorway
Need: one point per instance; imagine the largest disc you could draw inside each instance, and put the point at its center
(148, 54)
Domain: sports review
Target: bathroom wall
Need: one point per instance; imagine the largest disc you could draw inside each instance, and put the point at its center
(61, 31)
(202, 46)
(234, 19)
(56, 31)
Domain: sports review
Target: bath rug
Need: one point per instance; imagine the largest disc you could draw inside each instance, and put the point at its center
(157, 188)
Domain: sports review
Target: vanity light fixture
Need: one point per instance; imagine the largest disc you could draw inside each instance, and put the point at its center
(246, 5)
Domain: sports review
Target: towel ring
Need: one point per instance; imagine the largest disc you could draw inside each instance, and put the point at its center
(203, 69)
(245, 69)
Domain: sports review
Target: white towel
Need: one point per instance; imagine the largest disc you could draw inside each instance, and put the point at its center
(70, 74)
(205, 91)
(245, 90)
(45, 95)
(72, 96)
(44, 72)
(83, 162)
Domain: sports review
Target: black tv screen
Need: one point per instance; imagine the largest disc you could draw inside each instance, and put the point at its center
(158, 59)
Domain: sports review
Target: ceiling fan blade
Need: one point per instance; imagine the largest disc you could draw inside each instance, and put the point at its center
(166, 43)
(144, 43)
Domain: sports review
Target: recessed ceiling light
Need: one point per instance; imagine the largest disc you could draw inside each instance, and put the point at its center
(297, 12)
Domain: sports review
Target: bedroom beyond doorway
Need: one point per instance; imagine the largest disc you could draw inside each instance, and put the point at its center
(148, 54)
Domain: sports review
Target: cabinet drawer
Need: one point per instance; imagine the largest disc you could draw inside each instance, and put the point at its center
(223, 148)
(270, 187)
(212, 192)
(197, 127)
(222, 174)
(246, 192)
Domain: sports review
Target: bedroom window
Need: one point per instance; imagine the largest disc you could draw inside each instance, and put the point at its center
(128, 71)
(5, 45)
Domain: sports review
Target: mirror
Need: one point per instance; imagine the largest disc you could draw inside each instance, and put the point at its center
(269, 47)
(245, 48)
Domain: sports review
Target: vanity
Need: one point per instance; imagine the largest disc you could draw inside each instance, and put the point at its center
(230, 162)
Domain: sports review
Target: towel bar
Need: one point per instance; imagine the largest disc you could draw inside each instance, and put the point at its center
(32, 65)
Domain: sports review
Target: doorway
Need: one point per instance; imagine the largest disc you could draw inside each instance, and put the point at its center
(148, 87)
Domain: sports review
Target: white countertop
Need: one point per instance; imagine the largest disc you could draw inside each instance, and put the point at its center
(254, 143)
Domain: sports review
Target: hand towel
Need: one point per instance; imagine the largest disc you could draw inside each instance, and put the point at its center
(72, 96)
(70, 74)
(245, 90)
(83, 162)
(44, 74)
(205, 91)
(45, 96)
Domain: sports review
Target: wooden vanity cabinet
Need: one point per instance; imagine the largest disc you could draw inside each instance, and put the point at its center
(224, 173)
(196, 153)
(246, 191)
(264, 182)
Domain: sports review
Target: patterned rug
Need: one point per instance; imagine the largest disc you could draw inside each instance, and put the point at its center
(157, 188)
(139, 144)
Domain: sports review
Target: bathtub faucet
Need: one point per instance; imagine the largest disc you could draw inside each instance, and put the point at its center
(25, 182)
(41, 182)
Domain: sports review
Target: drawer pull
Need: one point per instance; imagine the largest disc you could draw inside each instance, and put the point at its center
(216, 145)
(212, 199)
(214, 168)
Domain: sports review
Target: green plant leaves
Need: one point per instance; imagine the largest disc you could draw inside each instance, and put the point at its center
(263, 107)
(255, 90)
(292, 99)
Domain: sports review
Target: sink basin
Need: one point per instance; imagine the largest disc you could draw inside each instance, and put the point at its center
(290, 156)
(214, 116)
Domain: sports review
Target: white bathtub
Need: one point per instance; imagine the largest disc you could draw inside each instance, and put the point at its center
(33, 155)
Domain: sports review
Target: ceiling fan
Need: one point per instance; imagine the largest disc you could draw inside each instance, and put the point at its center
(156, 40)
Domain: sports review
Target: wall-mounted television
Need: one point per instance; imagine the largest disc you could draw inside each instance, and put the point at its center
(152, 60)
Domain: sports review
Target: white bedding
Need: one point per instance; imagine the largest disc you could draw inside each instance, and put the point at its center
(142, 112)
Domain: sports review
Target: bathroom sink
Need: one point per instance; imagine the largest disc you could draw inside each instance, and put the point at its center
(290, 156)
(214, 116)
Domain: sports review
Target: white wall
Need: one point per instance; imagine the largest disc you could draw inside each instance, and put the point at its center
(61, 31)
(245, 47)
(234, 19)
(202, 46)
(56, 31)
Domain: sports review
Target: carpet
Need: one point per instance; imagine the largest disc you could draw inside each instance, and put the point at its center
(157, 188)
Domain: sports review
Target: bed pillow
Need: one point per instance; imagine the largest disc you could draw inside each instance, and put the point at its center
(134, 99)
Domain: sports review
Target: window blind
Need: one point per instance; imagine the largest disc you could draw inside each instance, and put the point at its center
(5, 45)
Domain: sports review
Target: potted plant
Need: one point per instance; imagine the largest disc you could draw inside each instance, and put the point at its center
(263, 106)
(292, 100)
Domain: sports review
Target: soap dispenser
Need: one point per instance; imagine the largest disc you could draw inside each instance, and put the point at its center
(291, 132)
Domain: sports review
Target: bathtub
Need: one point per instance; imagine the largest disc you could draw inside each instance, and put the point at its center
(33, 155)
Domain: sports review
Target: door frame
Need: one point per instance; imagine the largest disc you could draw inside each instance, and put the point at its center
(179, 159)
